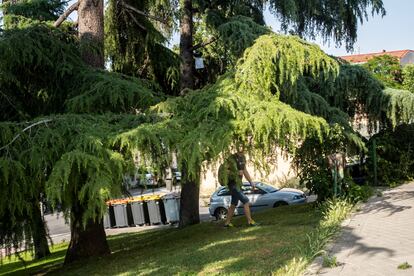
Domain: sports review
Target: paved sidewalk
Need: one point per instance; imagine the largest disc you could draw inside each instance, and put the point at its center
(377, 238)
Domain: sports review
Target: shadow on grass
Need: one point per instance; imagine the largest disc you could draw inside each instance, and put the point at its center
(207, 248)
(15, 266)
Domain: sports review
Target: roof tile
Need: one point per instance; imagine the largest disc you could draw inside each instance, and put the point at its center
(361, 58)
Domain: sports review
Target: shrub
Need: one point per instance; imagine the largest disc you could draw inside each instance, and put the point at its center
(408, 74)
(395, 155)
(334, 211)
(312, 160)
(357, 193)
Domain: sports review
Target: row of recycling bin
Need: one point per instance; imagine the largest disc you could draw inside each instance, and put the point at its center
(143, 210)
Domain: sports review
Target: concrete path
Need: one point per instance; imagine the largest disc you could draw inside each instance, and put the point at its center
(377, 239)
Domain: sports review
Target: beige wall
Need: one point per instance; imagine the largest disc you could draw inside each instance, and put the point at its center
(280, 171)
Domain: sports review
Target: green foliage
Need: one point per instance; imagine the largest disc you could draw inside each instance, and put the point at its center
(217, 13)
(101, 91)
(404, 266)
(235, 24)
(354, 91)
(71, 156)
(231, 36)
(211, 250)
(80, 159)
(225, 29)
(228, 172)
(237, 34)
(135, 46)
(395, 151)
(26, 12)
(67, 157)
(275, 63)
(311, 160)
(387, 69)
(408, 76)
(206, 123)
(357, 94)
(397, 106)
(330, 261)
(41, 70)
(35, 63)
(333, 213)
(356, 193)
(336, 20)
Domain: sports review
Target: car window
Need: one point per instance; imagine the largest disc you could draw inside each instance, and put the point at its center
(247, 189)
(223, 192)
(266, 188)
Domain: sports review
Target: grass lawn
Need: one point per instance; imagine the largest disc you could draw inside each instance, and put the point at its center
(207, 248)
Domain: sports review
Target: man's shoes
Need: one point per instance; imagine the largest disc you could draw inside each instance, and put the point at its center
(230, 225)
(253, 223)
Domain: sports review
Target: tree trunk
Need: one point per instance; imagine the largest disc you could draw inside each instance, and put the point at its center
(90, 239)
(85, 241)
(186, 46)
(189, 202)
(39, 234)
(91, 31)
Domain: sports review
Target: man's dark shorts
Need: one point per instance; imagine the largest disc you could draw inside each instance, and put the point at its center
(237, 195)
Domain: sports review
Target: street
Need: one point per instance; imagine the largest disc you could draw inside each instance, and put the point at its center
(59, 231)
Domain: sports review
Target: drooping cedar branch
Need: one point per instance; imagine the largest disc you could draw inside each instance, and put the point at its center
(144, 13)
(66, 14)
(136, 21)
(202, 45)
(26, 129)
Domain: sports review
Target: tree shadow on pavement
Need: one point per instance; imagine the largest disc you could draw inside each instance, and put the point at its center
(348, 240)
(387, 203)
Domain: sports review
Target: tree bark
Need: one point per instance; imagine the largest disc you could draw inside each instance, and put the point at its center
(186, 46)
(85, 240)
(189, 201)
(39, 234)
(66, 14)
(90, 239)
(91, 31)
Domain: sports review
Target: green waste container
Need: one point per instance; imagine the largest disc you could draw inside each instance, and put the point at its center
(172, 208)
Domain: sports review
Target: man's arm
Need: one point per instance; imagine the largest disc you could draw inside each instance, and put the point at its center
(248, 177)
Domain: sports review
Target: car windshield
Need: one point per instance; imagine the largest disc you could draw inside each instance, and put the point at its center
(266, 188)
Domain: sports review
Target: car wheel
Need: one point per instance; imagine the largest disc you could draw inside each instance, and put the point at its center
(221, 213)
(279, 203)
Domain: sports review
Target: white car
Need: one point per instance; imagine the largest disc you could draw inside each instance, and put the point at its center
(264, 196)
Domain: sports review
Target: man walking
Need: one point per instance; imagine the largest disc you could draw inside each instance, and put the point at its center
(231, 174)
